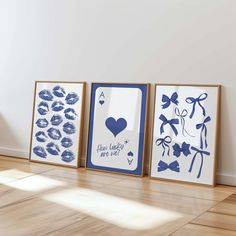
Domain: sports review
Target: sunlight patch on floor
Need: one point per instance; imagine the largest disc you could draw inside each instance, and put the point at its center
(12, 174)
(35, 183)
(115, 210)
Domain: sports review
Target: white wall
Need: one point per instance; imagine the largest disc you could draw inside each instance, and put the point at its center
(171, 41)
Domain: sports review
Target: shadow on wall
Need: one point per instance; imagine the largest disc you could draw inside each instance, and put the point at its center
(7, 135)
(225, 148)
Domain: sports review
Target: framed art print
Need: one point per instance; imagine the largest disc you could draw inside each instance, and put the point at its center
(185, 131)
(57, 123)
(117, 127)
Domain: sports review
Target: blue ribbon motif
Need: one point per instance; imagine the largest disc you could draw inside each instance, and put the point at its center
(171, 122)
(184, 148)
(201, 153)
(195, 101)
(164, 142)
(203, 128)
(162, 166)
(182, 116)
(167, 101)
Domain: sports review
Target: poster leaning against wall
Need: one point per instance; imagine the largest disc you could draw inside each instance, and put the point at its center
(185, 133)
(117, 132)
(57, 122)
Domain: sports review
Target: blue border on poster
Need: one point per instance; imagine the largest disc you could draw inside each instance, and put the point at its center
(138, 170)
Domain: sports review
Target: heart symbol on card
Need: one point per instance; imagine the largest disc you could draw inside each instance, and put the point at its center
(130, 154)
(130, 161)
(101, 102)
(116, 126)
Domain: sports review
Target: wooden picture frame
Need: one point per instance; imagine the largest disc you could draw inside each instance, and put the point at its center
(114, 143)
(185, 130)
(57, 122)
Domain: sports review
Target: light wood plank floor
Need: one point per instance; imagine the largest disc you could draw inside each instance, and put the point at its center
(37, 199)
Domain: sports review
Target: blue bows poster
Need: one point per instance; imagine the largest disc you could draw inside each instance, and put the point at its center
(185, 133)
(118, 116)
(57, 117)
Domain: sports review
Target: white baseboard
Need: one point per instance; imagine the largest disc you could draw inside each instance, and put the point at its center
(226, 179)
(221, 178)
(11, 152)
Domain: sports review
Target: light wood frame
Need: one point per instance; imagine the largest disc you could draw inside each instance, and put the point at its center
(217, 134)
(83, 97)
(145, 145)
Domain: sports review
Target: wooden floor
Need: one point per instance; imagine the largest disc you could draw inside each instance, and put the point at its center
(38, 199)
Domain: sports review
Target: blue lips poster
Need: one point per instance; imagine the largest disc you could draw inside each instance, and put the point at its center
(117, 127)
(57, 119)
(185, 133)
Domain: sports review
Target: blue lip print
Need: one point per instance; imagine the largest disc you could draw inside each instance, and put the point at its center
(69, 128)
(41, 136)
(54, 133)
(70, 114)
(59, 91)
(43, 108)
(116, 126)
(39, 151)
(46, 95)
(66, 142)
(57, 106)
(56, 120)
(53, 149)
(72, 98)
(68, 156)
(42, 123)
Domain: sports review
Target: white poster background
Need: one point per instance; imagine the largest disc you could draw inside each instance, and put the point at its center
(119, 103)
(210, 105)
(68, 87)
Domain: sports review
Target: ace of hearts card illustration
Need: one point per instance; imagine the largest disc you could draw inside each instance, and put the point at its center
(117, 127)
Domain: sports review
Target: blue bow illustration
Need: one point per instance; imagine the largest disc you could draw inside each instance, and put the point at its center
(171, 122)
(195, 101)
(201, 153)
(164, 142)
(162, 166)
(182, 116)
(167, 101)
(203, 128)
(184, 149)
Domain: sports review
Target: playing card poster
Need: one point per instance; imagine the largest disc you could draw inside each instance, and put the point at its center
(56, 130)
(117, 127)
(185, 133)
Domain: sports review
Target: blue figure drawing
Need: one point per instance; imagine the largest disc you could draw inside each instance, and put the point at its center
(167, 101)
(164, 142)
(41, 136)
(195, 101)
(53, 149)
(57, 106)
(203, 128)
(69, 128)
(56, 120)
(171, 123)
(173, 166)
(72, 98)
(54, 133)
(184, 148)
(70, 114)
(39, 151)
(42, 123)
(67, 156)
(66, 142)
(46, 95)
(43, 108)
(115, 126)
(201, 153)
(182, 116)
(58, 91)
